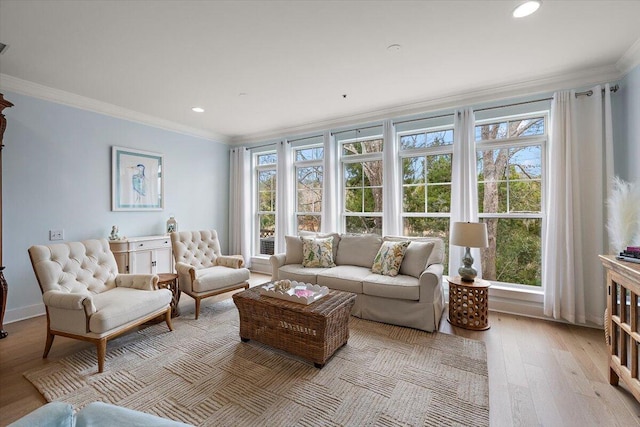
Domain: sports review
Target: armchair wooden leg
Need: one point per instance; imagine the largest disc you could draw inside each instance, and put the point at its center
(101, 346)
(48, 344)
(167, 318)
(197, 308)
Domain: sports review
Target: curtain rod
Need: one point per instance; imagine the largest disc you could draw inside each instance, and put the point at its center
(514, 104)
(614, 89)
(589, 92)
(356, 129)
(260, 146)
(306, 137)
(423, 118)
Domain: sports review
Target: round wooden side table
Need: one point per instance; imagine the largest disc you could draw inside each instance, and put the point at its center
(469, 304)
(170, 281)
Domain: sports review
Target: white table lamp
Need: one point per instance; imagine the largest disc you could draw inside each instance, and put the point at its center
(469, 235)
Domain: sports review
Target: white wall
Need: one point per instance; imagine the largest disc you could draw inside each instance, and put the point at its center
(57, 175)
(626, 132)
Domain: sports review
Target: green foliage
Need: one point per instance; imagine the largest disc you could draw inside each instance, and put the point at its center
(518, 251)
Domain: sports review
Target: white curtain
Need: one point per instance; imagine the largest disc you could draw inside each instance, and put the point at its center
(464, 186)
(240, 204)
(580, 168)
(330, 175)
(285, 209)
(391, 196)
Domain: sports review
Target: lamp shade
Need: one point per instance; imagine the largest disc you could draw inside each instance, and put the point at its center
(469, 234)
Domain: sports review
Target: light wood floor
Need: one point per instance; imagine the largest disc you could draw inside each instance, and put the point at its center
(541, 373)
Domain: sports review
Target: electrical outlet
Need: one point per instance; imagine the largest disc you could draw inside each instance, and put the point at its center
(56, 234)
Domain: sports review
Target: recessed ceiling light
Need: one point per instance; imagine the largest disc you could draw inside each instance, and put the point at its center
(526, 8)
(198, 109)
(394, 47)
(242, 94)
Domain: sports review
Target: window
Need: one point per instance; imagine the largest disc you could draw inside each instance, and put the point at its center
(362, 184)
(266, 203)
(510, 156)
(426, 157)
(309, 179)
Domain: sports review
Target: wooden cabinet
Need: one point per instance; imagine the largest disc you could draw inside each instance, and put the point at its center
(143, 255)
(622, 322)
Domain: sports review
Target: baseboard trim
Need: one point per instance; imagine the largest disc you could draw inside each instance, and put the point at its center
(23, 313)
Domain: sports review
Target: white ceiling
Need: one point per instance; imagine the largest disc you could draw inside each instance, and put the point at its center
(294, 60)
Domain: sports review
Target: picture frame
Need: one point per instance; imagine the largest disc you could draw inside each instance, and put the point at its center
(137, 180)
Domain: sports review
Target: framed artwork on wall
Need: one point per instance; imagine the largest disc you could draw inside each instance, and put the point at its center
(136, 180)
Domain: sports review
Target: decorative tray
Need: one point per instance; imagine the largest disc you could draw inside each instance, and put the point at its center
(290, 290)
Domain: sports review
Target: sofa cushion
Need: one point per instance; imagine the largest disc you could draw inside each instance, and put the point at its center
(397, 287)
(389, 258)
(299, 273)
(317, 252)
(293, 250)
(346, 278)
(358, 249)
(218, 277)
(119, 306)
(415, 258)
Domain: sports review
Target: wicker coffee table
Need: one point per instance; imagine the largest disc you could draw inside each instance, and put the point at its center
(313, 332)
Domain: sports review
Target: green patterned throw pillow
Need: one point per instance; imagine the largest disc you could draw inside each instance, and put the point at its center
(317, 252)
(389, 258)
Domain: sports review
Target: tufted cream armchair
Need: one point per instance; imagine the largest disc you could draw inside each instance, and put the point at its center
(202, 270)
(87, 299)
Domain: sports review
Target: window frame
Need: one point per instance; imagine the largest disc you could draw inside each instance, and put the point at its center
(519, 142)
(257, 168)
(345, 159)
(299, 164)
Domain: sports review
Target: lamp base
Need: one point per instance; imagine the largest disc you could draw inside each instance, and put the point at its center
(467, 272)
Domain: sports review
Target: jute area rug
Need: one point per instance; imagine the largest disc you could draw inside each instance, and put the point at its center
(202, 374)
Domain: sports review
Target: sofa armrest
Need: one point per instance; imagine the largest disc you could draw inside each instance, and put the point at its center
(51, 414)
(277, 261)
(64, 300)
(144, 282)
(231, 261)
(431, 284)
(105, 414)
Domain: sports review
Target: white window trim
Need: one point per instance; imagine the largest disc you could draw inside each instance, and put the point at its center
(299, 164)
(356, 158)
(516, 291)
(422, 152)
(255, 242)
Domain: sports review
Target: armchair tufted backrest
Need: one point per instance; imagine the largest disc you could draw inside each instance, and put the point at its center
(87, 267)
(196, 248)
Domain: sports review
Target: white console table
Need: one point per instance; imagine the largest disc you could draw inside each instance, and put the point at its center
(143, 255)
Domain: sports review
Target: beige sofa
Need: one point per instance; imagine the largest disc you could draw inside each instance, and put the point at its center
(414, 298)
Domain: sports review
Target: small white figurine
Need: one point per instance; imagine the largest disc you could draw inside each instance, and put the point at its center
(114, 233)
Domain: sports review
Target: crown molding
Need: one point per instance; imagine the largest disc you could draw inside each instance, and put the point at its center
(630, 59)
(545, 84)
(58, 96)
